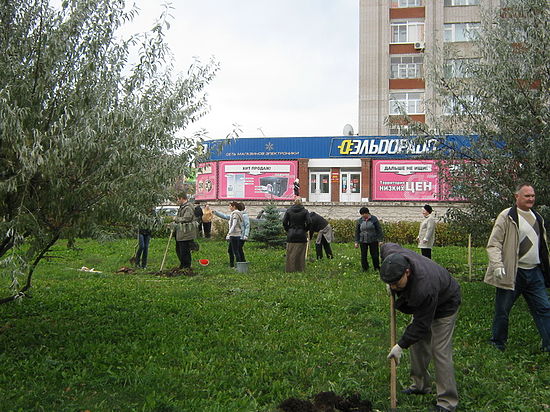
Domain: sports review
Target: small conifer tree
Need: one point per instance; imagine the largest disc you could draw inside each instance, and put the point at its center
(270, 231)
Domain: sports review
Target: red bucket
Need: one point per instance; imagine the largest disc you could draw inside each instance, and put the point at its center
(204, 262)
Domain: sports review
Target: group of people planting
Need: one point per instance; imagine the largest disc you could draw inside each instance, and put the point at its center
(518, 265)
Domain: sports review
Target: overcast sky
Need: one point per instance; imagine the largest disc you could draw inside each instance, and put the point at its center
(288, 67)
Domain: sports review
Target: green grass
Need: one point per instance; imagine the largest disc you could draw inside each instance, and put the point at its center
(227, 341)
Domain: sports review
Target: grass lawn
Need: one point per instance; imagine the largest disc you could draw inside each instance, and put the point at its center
(228, 341)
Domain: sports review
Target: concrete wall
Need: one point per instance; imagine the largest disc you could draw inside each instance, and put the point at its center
(385, 211)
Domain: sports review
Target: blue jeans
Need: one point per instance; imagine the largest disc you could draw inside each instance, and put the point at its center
(143, 250)
(530, 284)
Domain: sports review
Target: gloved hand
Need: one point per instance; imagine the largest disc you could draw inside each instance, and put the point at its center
(388, 289)
(227, 237)
(245, 237)
(396, 353)
(499, 273)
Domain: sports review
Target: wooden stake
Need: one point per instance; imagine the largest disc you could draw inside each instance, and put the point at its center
(393, 364)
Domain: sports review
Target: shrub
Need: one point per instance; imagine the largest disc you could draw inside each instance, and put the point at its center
(405, 233)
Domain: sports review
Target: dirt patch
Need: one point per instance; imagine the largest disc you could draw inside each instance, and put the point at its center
(327, 402)
(167, 273)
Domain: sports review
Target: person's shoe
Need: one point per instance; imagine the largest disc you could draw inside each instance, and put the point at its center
(412, 391)
(497, 345)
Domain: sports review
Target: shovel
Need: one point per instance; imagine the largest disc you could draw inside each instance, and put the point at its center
(166, 250)
(393, 364)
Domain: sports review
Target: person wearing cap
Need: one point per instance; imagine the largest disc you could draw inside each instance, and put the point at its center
(368, 234)
(426, 233)
(427, 291)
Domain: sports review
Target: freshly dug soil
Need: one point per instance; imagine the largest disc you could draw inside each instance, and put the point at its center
(169, 273)
(327, 402)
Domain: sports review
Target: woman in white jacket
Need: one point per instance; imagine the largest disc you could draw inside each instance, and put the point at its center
(426, 234)
(236, 220)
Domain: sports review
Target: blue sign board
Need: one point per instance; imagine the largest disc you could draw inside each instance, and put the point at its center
(325, 147)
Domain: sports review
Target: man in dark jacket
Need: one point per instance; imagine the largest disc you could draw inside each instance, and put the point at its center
(427, 291)
(296, 222)
(324, 235)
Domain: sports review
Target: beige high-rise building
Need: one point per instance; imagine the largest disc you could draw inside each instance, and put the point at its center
(396, 39)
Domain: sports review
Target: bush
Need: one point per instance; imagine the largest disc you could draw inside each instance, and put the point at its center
(405, 233)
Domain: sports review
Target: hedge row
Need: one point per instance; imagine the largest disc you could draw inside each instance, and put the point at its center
(398, 232)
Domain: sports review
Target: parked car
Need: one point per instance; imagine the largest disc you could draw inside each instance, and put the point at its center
(166, 210)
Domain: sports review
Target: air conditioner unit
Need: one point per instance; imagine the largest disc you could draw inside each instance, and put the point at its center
(419, 45)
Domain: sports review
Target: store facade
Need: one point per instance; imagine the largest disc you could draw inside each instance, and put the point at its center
(347, 169)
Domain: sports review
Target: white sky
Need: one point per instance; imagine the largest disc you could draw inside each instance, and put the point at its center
(288, 67)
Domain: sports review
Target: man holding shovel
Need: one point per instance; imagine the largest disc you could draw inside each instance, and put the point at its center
(425, 290)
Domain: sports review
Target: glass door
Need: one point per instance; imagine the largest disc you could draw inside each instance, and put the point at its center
(319, 186)
(350, 186)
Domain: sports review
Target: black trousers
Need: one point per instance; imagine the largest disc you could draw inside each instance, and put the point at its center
(207, 229)
(183, 251)
(323, 245)
(426, 252)
(235, 250)
(374, 254)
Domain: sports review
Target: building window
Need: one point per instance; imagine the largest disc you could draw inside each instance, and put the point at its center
(406, 103)
(407, 31)
(407, 67)
(460, 106)
(459, 68)
(405, 3)
(461, 3)
(455, 32)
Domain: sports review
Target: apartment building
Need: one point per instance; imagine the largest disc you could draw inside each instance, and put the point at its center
(397, 37)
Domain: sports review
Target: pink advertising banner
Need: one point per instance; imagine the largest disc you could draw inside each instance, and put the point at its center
(207, 181)
(405, 180)
(257, 180)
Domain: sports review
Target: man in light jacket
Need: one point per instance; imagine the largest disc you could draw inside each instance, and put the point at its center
(186, 230)
(518, 265)
(426, 232)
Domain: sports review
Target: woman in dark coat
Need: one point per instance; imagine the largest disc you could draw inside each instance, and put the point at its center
(296, 222)
(368, 233)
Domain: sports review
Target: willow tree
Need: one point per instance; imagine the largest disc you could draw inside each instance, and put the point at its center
(90, 125)
(498, 96)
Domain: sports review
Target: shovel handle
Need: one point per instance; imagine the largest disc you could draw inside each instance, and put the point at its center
(166, 250)
(393, 364)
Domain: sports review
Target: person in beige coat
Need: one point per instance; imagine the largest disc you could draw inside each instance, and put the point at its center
(519, 265)
(426, 234)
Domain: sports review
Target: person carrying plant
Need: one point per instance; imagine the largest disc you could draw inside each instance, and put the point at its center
(427, 291)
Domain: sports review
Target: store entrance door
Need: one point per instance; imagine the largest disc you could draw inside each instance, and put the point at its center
(319, 186)
(350, 186)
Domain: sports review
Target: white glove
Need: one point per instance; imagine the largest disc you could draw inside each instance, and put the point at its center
(396, 353)
(245, 237)
(388, 289)
(499, 273)
(227, 237)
